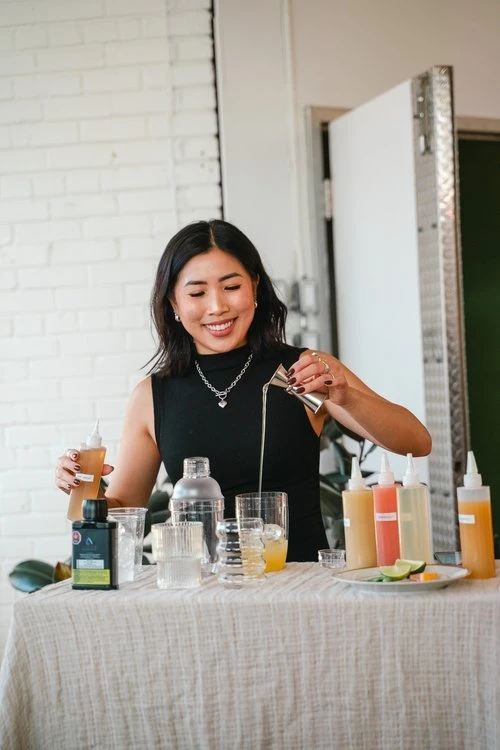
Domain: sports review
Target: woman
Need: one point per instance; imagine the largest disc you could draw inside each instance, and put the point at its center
(221, 337)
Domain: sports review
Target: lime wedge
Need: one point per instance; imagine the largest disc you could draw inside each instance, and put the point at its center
(417, 566)
(396, 572)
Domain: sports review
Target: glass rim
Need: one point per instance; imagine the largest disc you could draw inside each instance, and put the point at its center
(267, 494)
(128, 511)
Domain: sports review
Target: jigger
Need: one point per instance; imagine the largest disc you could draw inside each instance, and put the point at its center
(313, 400)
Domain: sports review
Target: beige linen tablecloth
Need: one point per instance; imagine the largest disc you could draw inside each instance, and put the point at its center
(300, 662)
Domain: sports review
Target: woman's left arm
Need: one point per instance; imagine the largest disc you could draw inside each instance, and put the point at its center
(350, 402)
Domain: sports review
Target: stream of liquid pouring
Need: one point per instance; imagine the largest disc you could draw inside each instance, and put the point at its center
(265, 388)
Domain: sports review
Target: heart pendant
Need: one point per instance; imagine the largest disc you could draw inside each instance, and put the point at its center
(222, 403)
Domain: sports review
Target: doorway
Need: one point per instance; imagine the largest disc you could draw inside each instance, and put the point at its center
(479, 168)
(478, 158)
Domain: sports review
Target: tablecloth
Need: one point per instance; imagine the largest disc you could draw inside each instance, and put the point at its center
(300, 662)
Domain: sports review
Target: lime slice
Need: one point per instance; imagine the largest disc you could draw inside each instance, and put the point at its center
(401, 569)
(417, 566)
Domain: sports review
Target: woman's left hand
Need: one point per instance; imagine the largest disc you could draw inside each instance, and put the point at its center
(318, 371)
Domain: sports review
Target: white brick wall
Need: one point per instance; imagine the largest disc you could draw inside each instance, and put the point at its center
(108, 144)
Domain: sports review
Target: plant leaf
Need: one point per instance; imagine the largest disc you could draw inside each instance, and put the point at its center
(31, 575)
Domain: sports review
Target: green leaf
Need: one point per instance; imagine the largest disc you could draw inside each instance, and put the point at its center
(31, 575)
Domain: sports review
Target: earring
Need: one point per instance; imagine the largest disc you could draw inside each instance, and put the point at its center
(176, 317)
(255, 303)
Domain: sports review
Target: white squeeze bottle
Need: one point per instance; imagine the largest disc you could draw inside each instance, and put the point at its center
(91, 460)
(359, 522)
(474, 519)
(415, 539)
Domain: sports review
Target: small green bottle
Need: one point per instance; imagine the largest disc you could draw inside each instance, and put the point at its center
(95, 548)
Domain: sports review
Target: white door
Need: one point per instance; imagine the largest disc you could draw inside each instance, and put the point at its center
(397, 280)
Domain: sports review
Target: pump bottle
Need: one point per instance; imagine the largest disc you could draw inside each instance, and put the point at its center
(91, 461)
(386, 515)
(359, 523)
(413, 516)
(476, 528)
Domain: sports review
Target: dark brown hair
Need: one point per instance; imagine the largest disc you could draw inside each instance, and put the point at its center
(174, 353)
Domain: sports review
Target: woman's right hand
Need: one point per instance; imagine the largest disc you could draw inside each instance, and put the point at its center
(66, 468)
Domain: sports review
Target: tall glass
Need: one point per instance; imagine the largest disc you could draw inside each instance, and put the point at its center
(272, 507)
(127, 535)
(140, 514)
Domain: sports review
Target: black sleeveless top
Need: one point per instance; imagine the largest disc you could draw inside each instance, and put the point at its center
(189, 422)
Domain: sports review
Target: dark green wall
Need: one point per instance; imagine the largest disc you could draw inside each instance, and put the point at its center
(479, 174)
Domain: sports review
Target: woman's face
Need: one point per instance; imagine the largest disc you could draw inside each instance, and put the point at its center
(214, 298)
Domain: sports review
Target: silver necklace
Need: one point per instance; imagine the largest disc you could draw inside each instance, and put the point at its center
(222, 395)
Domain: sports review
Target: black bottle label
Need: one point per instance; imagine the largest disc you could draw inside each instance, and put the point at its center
(94, 557)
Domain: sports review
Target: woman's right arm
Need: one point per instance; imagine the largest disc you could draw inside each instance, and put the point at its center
(138, 459)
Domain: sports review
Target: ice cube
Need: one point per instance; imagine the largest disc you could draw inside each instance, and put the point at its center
(272, 532)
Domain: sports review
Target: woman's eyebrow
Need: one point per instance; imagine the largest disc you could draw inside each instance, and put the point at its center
(222, 278)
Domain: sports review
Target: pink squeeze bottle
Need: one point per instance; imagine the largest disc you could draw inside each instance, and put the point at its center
(385, 506)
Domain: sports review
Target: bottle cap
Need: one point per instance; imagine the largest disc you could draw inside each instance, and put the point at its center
(410, 478)
(95, 510)
(386, 476)
(356, 482)
(472, 478)
(94, 440)
(196, 466)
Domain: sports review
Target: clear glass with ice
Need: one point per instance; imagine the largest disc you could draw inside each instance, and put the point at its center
(140, 515)
(127, 534)
(272, 507)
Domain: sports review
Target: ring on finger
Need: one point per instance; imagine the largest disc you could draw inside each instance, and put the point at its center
(325, 365)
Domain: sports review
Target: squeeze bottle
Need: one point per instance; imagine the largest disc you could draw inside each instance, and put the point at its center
(198, 497)
(91, 461)
(413, 516)
(359, 523)
(386, 515)
(476, 528)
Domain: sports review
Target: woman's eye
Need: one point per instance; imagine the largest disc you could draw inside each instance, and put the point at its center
(232, 288)
(197, 294)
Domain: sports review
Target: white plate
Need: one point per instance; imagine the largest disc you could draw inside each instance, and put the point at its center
(359, 578)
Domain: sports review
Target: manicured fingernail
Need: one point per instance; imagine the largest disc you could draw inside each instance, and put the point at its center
(76, 467)
(290, 371)
(76, 481)
(291, 381)
(74, 456)
(300, 390)
(328, 382)
(68, 486)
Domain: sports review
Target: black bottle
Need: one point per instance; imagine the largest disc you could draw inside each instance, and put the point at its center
(95, 548)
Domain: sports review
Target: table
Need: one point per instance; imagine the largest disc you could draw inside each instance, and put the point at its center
(300, 662)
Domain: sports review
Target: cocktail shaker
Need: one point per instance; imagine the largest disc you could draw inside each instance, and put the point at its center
(198, 497)
(313, 400)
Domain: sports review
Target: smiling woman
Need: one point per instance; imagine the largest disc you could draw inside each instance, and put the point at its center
(221, 337)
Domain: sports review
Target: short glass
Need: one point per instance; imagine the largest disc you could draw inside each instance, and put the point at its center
(272, 507)
(179, 550)
(331, 558)
(140, 514)
(239, 550)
